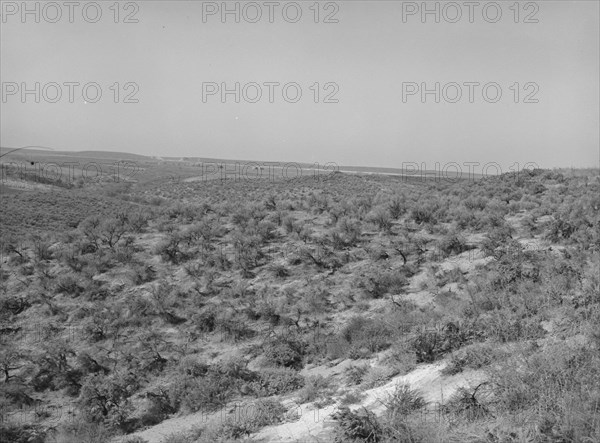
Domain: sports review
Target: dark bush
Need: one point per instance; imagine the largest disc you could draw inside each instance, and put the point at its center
(105, 399)
(285, 351)
(169, 249)
(432, 344)
(366, 336)
(378, 283)
(276, 381)
(21, 433)
(69, 284)
(466, 405)
(452, 244)
(475, 356)
(360, 426)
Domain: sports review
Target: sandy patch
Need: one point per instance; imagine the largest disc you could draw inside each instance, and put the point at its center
(316, 424)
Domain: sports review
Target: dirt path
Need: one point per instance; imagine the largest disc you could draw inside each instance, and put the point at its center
(315, 424)
(175, 425)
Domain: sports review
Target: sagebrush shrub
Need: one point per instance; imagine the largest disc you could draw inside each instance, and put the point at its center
(378, 283)
(69, 284)
(276, 381)
(357, 426)
(452, 244)
(466, 405)
(366, 333)
(315, 387)
(356, 373)
(285, 351)
(475, 356)
(404, 401)
(141, 274)
(430, 345)
(106, 399)
(204, 393)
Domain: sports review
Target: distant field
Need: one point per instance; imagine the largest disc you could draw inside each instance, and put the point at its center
(144, 169)
(53, 212)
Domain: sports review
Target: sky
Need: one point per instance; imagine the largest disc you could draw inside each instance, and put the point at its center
(360, 66)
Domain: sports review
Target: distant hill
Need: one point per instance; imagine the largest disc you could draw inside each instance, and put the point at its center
(46, 155)
(111, 155)
(106, 154)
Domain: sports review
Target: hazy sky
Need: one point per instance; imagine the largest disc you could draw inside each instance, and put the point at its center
(373, 53)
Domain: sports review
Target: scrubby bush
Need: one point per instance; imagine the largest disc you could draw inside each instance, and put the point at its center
(397, 207)
(357, 426)
(11, 244)
(289, 224)
(365, 336)
(276, 381)
(356, 373)
(69, 284)
(477, 203)
(105, 232)
(232, 326)
(22, 433)
(557, 383)
(429, 345)
(377, 283)
(429, 212)
(141, 274)
(159, 408)
(54, 370)
(106, 399)
(170, 250)
(466, 405)
(138, 221)
(279, 270)
(505, 325)
(382, 219)
(316, 387)
(452, 243)
(287, 351)
(244, 420)
(378, 376)
(201, 393)
(475, 356)
(403, 401)
(40, 245)
(350, 230)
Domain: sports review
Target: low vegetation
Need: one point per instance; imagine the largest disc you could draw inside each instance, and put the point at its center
(123, 307)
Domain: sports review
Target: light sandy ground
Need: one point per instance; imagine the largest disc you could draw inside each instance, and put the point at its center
(176, 425)
(535, 243)
(315, 424)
